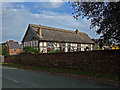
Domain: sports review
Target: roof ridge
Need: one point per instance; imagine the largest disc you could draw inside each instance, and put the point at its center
(12, 42)
(55, 29)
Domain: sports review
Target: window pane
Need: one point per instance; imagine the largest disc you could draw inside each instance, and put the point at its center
(14, 50)
(48, 44)
(51, 43)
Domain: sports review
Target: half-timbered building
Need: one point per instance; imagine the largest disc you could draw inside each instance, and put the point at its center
(47, 39)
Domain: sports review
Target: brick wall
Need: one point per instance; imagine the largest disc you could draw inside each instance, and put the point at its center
(12, 52)
(95, 61)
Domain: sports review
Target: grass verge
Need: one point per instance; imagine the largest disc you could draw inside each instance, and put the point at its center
(83, 74)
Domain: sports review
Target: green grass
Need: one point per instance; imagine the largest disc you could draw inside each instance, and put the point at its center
(66, 71)
(3, 63)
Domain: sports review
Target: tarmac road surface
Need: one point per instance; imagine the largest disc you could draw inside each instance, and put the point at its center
(20, 78)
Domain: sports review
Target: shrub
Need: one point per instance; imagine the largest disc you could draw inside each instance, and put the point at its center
(54, 51)
(29, 49)
(5, 51)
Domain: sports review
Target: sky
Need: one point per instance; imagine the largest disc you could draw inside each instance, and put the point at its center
(16, 16)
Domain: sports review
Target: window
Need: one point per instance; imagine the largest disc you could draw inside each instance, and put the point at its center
(24, 44)
(33, 43)
(60, 44)
(15, 50)
(63, 44)
(69, 47)
(36, 43)
(88, 45)
(55, 44)
(51, 43)
(42, 43)
(28, 43)
(68, 44)
(48, 44)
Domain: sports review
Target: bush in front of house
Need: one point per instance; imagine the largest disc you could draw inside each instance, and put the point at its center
(29, 49)
(54, 51)
(5, 51)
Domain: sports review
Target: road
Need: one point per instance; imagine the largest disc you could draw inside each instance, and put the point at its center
(20, 78)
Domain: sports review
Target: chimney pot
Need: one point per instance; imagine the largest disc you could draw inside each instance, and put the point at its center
(77, 31)
(11, 40)
(6, 41)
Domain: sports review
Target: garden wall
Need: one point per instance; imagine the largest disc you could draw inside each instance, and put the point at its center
(96, 61)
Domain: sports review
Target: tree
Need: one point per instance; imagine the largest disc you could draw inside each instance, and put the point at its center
(104, 16)
(5, 51)
(28, 49)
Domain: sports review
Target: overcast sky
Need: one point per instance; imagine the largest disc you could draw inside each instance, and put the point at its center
(16, 16)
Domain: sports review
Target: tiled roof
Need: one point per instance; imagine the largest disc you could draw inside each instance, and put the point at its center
(14, 45)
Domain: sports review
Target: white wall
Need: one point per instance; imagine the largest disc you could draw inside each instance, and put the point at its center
(40, 46)
(66, 48)
(83, 46)
(91, 47)
(86, 45)
(43, 47)
(74, 46)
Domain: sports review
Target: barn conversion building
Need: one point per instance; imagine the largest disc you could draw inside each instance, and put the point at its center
(47, 39)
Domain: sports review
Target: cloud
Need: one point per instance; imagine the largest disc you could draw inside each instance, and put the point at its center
(50, 4)
(0, 22)
(7, 5)
(20, 6)
(54, 4)
(13, 10)
(13, 0)
(34, 1)
(15, 22)
(59, 19)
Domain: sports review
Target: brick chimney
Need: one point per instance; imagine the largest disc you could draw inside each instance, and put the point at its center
(40, 31)
(11, 40)
(77, 31)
